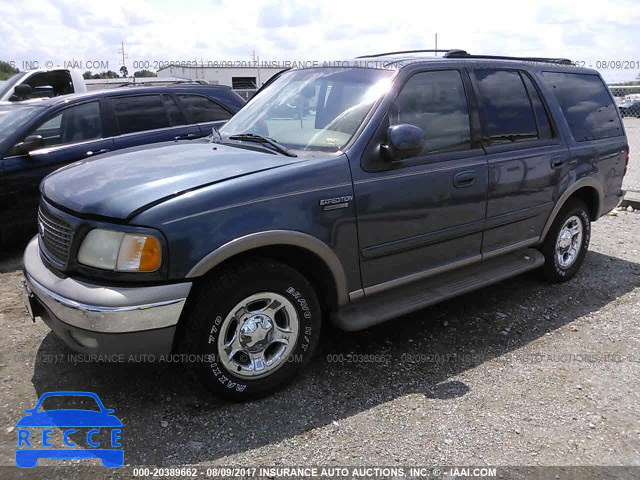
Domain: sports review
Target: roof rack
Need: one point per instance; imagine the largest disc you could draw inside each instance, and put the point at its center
(464, 54)
(409, 51)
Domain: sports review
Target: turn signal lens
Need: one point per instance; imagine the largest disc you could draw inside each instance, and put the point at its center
(120, 252)
(139, 253)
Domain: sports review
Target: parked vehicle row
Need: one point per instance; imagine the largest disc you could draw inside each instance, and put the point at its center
(39, 137)
(350, 195)
(630, 108)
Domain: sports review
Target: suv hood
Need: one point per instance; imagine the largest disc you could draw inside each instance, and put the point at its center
(123, 183)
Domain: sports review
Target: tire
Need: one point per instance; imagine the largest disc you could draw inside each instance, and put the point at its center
(567, 242)
(253, 351)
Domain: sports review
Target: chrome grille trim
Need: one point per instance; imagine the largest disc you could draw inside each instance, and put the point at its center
(56, 235)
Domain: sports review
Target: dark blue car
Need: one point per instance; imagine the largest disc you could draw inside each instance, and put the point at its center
(39, 137)
(41, 424)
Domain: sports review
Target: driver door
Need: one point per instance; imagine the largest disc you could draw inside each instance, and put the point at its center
(426, 213)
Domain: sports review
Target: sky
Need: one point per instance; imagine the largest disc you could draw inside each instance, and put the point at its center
(52, 33)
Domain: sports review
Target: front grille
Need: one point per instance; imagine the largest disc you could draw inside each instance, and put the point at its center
(56, 235)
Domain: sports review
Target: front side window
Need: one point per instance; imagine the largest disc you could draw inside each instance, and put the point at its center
(435, 102)
(76, 124)
(589, 109)
(139, 113)
(311, 109)
(508, 115)
(203, 109)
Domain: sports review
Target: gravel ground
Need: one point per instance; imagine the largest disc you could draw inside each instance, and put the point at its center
(520, 373)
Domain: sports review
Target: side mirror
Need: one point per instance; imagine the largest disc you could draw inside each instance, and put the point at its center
(22, 91)
(403, 141)
(32, 142)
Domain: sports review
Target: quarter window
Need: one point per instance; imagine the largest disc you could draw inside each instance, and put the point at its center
(586, 104)
(203, 109)
(139, 113)
(435, 102)
(79, 123)
(508, 115)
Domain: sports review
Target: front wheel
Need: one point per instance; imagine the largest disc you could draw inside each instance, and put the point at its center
(256, 325)
(567, 242)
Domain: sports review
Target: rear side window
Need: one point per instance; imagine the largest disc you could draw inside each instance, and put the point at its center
(435, 102)
(586, 104)
(542, 118)
(139, 113)
(175, 115)
(203, 109)
(508, 115)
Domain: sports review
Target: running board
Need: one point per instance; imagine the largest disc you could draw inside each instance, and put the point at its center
(398, 301)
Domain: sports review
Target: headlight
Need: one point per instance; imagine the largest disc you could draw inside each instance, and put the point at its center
(121, 252)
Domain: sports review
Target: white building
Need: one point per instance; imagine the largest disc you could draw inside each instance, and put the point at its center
(240, 78)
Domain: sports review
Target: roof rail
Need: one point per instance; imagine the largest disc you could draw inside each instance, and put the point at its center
(408, 51)
(464, 54)
(154, 81)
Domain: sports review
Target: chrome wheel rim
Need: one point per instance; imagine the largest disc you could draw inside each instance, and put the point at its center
(569, 242)
(258, 335)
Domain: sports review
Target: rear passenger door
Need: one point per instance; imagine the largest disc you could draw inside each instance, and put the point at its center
(149, 118)
(525, 157)
(204, 112)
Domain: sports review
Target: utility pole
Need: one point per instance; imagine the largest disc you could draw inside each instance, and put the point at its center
(436, 52)
(256, 62)
(123, 69)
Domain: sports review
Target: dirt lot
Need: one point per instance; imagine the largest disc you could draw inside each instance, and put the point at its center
(521, 373)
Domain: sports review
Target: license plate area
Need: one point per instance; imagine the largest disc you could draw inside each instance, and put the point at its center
(30, 301)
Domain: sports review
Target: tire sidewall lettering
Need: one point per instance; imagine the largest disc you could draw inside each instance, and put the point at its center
(303, 341)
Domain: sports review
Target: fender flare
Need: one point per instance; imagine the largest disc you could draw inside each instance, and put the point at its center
(272, 238)
(574, 187)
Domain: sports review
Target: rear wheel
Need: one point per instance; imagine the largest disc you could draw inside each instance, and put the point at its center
(567, 242)
(257, 325)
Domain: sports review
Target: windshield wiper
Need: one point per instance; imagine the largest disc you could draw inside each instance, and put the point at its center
(252, 137)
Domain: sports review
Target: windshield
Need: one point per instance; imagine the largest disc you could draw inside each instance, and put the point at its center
(64, 402)
(314, 109)
(9, 84)
(12, 118)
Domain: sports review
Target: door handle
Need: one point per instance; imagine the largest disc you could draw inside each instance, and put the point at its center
(558, 161)
(97, 152)
(188, 136)
(464, 179)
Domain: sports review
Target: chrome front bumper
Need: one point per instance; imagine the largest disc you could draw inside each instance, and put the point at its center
(99, 309)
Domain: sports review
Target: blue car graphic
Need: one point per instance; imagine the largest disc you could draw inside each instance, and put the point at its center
(28, 456)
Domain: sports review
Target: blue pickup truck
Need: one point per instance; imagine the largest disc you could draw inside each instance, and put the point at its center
(348, 194)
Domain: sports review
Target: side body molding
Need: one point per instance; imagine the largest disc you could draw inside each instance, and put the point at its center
(583, 182)
(273, 238)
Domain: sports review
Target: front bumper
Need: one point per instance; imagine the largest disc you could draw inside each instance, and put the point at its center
(93, 318)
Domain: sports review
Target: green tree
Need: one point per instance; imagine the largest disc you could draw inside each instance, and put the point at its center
(87, 75)
(7, 70)
(144, 73)
(124, 71)
(103, 75)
